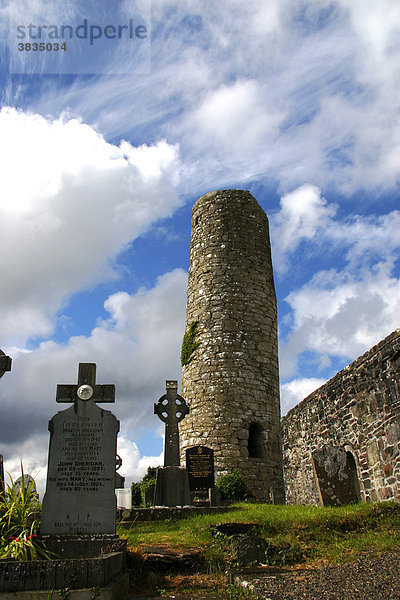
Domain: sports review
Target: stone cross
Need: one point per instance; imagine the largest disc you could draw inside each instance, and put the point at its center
(171, 409)
(5, 363)
(86, 387)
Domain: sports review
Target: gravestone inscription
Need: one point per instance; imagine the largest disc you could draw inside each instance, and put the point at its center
(200, 467)
(80, 491)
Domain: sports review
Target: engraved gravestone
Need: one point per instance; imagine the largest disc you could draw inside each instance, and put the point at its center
(200, 467)
(28, 482)
(80, 491)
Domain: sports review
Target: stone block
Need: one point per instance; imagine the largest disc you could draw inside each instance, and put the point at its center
(247, 550)
(172, 487)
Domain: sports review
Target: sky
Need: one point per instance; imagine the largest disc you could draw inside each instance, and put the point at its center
(106, 145)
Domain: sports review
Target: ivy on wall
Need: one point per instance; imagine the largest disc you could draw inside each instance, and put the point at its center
(189, 343)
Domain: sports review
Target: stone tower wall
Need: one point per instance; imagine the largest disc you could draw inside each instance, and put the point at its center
(232, 381)
(356, 413)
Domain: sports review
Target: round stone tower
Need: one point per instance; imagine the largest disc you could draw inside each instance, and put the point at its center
(231, 378)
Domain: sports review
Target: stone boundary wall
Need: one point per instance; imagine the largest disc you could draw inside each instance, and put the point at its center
(348, 429)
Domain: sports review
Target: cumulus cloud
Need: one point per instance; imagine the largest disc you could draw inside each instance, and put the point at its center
(337, 312)
(69, 203)
(303, 213)
(235, 118)
(296, 390)
(309, 92)
(137, 349)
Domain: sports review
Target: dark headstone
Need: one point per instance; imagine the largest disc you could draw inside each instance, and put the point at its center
(214, 497)
(336, 476)
(5, 363)
(80, 491)
(200, 467)
(119, 479)
(172, 483)
(172, 487)
(2, 487)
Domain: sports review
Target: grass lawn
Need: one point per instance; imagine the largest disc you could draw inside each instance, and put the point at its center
(297, 533)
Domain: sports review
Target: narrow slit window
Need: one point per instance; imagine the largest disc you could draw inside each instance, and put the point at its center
(256, 444)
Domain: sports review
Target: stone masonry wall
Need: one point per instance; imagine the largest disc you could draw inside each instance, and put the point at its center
(232, 381)
(348, 429)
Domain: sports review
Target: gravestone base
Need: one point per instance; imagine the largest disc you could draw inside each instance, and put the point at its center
(82, 577)
(172, 487)
(83, 546)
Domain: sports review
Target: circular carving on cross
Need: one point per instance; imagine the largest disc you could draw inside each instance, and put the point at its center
(84, 392)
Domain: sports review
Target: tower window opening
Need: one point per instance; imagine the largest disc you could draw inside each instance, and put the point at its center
(256, 443)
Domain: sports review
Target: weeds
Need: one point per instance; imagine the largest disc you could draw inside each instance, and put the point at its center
(19, 523)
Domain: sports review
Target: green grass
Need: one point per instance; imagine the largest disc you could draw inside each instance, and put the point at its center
(294, 534)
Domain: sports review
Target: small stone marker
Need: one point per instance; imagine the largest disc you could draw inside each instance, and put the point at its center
(172, 482)
(80, 491)
(124, 498)
(26, 481)
(5, 363)
(200, 467)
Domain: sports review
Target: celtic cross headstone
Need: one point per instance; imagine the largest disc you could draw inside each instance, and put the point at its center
(172, 483)
(171, 409)
(80, 496)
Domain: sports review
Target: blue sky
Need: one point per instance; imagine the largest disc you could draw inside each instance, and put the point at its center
(297, 102)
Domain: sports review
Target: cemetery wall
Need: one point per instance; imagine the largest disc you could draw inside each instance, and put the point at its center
(231, 382)
(342, 442)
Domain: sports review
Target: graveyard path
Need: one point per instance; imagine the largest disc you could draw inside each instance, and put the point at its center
(368, 578)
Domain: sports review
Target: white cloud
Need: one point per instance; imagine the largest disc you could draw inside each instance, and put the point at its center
(224, 75)
(236, 118)
(137, 350)
(134, 466)
(296, 390)
(303, 213)
(344, 312)
(69, 203)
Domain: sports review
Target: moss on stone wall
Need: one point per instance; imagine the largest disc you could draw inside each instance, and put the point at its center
(189, 343)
